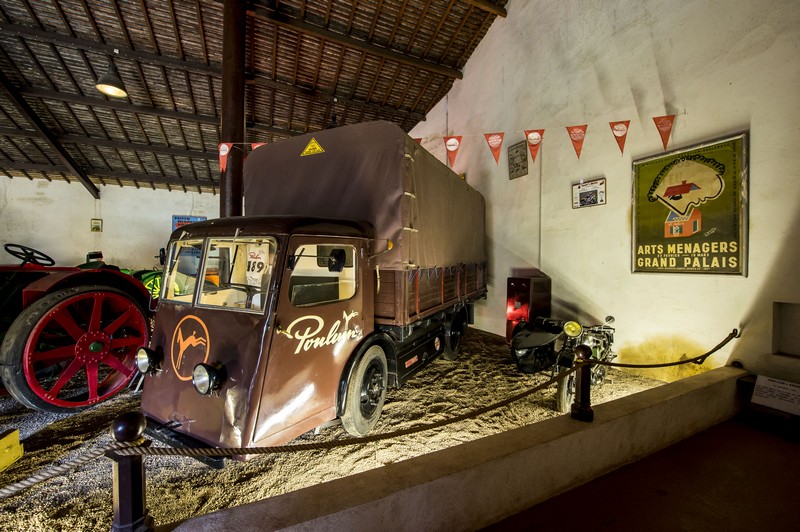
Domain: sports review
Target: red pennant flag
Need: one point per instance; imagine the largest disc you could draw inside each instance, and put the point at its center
(418, 140)
(256, 145)
(620, 131)
(664, 125)
(495, 141)
(576, 135)
(224, 151)
(452, 144)
(534, 138)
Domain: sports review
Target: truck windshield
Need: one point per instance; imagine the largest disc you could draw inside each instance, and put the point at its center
(237, 273)
(180, 276)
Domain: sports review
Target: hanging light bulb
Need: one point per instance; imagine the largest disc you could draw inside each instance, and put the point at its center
(110, 83)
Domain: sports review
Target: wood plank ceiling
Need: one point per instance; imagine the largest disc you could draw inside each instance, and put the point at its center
(308, 64)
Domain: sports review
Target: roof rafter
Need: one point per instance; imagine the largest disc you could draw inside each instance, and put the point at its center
(267, 13)
(108, 143)
(143, 109)
(26, 111)
(113, 174)
(486, 5)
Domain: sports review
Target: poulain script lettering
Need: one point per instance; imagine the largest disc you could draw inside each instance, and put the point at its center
(306, 330)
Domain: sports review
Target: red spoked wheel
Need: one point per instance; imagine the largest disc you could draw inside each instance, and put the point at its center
(73, 348)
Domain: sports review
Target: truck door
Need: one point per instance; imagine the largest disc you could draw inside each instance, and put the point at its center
(318, 323)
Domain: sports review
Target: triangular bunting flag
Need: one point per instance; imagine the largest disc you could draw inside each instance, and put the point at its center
(534, 139)
(418, 140)
(224, 151)
(452, 144)
(577, 134)
(620, 131)
(495, 141)
(256, 145)
(664, 125)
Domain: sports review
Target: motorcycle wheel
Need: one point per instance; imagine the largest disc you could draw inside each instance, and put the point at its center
(565, 393)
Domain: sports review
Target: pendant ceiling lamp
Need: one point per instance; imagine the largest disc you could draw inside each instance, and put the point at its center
(110, 83)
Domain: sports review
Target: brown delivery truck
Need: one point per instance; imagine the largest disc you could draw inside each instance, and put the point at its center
(357, 264)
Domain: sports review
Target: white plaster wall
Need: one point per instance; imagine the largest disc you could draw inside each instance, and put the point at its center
(722, 66)
(54, 217)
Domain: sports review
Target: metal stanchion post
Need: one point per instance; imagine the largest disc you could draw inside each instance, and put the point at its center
(582, 407)
(130, 509)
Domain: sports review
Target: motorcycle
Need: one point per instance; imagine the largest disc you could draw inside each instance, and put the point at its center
(549, 344)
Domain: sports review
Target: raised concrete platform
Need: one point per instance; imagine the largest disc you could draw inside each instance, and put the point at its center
(478, 483)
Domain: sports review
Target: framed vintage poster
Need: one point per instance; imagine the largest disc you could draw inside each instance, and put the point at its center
(589, 193)
(690, 209)
(517, 160)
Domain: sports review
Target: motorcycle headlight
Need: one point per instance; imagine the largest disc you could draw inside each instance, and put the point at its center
(573, 329)
(148, 361)
(208, 378)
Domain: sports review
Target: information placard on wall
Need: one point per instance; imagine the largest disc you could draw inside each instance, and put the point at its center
(589, 193)
(180, 221)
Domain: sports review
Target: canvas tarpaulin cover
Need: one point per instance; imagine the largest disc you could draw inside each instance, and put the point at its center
(372, 172)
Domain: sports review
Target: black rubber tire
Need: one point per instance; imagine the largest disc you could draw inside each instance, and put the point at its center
(366, 392)
(454, 330)
(13, 349)
(565, 393)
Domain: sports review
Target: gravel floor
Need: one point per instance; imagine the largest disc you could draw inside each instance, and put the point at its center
(179, 488)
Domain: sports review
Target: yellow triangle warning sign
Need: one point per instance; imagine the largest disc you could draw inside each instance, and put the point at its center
(313, 148)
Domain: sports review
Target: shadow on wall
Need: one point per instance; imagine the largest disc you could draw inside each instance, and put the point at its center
(781, 283)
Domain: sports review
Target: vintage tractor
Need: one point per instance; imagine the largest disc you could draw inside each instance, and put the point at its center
(69, 334)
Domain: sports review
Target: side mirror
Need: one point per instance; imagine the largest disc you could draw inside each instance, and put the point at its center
(162, 256)
(292, 260)
(336, 260)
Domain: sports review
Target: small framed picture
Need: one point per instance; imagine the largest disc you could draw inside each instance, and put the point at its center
(517, 160)
(96, 225)
(589, 193)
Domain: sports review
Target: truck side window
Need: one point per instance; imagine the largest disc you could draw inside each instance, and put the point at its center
(237, 273)
(180, 274)
(312, 281)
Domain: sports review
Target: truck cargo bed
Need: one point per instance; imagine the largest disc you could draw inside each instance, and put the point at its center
(406, 296)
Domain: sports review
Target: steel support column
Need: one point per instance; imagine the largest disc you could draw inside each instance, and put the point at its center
(233, 127)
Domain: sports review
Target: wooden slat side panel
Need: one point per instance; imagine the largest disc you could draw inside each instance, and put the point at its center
(385, 299)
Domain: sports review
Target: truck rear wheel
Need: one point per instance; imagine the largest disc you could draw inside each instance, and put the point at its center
(366, 392)
(454, 329)
(73, 348)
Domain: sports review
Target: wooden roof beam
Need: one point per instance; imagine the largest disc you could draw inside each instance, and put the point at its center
(109, 49)
(267, 13)
(110, 174)
(328, 97)
(108, 143)
(45, 134)
(491, 7)
(143, 109)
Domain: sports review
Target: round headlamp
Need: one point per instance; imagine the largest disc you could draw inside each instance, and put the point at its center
(147, 360)
(573, 329)
(207, 378)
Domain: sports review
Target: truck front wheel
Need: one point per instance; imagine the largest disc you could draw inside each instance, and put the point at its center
(366, 392)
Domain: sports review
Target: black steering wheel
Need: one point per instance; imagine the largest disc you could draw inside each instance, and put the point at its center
(26, 255)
